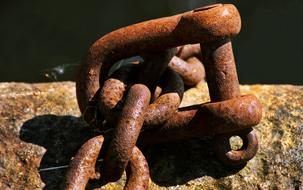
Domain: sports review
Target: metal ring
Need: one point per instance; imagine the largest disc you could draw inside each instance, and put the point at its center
(236, 157)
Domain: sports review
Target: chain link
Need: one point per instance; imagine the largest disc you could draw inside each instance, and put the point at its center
(137, 105)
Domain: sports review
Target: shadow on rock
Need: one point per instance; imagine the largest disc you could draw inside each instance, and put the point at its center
(61, 136)
(178, 163)
(170, 165)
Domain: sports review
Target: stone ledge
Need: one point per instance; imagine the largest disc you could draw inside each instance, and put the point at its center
(40, 127)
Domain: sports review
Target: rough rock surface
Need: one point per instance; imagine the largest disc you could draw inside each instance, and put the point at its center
(40, 127)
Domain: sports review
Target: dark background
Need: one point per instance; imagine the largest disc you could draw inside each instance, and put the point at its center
(45, 40)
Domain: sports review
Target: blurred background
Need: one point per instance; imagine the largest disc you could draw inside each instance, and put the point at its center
(44, 40)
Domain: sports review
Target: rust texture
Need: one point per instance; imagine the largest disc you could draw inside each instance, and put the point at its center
(111, 94)
(191, 50)
(137, 172)
(191, 71)
(206, 120)
(222, 79)
(126, 133)
(215, 23)
(168, 101)
(237, 157)
(138, 103)
(223, 82)
(82, 167)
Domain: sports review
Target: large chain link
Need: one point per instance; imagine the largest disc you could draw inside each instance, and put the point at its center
(138, 104)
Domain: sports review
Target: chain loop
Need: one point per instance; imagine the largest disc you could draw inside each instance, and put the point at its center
(139, 102)
(125, 133)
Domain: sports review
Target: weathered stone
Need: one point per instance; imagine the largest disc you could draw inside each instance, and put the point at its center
(40, 127)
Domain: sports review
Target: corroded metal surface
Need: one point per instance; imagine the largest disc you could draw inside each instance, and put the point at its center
(82, 167)
(117, 106)
(126, 133)
(206, 120)
(137, 171)
(235, 157)
(191, 71)
(158, 34)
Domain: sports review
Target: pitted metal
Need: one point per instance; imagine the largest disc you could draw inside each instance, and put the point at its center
(137, 105)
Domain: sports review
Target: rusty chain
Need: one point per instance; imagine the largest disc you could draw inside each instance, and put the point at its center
(138, 104)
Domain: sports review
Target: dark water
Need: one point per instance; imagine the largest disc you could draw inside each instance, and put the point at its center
(45, 40)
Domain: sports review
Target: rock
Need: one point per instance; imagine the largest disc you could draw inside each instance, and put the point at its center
(41, 127)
